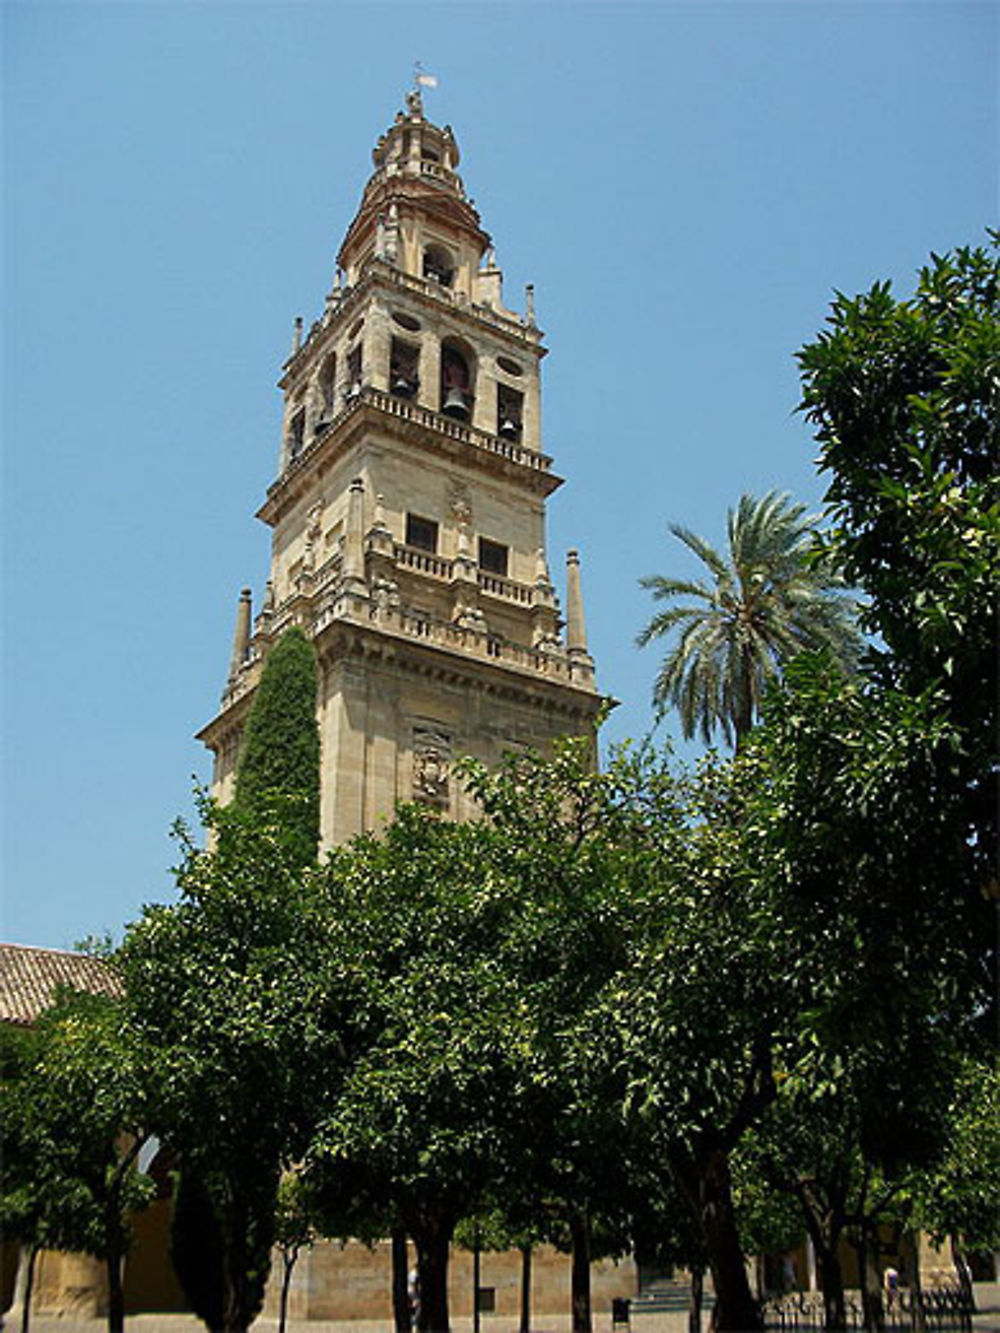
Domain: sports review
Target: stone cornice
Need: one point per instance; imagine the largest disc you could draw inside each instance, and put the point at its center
(349, 633)
(379, 274)
(343, 640)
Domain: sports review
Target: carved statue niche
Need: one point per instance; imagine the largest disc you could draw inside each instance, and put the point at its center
(461, 505)
(431, 763)
(461, 512)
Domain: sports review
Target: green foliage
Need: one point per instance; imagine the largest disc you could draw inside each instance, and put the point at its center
(905, 398)
(769, 1218)
(230, 993)
(768, 600)
(475, 953)
(278, 776)
(73, 1111)
(959, 1196)
(295, 1216)
(865, 852)
(417, 915)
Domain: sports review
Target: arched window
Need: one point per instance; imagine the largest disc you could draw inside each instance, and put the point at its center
(439, 265)
(456, 383)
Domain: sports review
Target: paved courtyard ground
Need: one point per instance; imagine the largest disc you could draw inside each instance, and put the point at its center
(986, 1321)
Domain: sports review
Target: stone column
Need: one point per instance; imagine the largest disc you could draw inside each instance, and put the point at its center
(484, 408)
(429, 393)
(531, 432)
(354, 554)
(375, 357)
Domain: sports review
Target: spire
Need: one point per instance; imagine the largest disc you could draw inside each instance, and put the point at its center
(415, 178)
(241, 635)
(576, 629)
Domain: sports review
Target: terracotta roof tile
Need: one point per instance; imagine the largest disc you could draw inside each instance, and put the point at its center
(29, 977)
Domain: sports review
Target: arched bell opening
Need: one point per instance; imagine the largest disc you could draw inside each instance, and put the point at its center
(404, 361)
(439, 265)
(457, 393)
(510, 413)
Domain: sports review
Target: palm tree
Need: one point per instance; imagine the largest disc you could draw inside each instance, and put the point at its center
(771, 598)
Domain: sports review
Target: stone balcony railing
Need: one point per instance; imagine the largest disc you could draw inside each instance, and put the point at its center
(456, 430)
(435, 566)
(422, 562)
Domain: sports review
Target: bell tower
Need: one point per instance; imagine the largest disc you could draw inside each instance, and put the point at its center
(408, 514)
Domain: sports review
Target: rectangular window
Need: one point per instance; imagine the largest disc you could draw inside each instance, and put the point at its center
(486, 1300)
(421, 533)
(493, 557)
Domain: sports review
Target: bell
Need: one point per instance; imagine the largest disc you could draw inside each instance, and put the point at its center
(454, 404)
(402, 386)
(510, 430)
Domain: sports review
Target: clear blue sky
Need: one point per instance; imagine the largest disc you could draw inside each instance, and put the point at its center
(685, 184)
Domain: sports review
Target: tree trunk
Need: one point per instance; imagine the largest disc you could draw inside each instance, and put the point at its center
(579, 1230)
(477, 1277)
(29, 1287)
(400, 1285)
(831, 1281)
(964, 1274)
(525, 1326)
(116, 1293)
(288, 1258)
(697, 1294)
(433, 1241)
(704, 1177)
(866, 1246)
(912, 1244)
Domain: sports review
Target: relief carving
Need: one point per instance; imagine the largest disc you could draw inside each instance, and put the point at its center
(431, 761)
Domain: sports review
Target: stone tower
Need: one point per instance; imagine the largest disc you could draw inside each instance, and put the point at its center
(408, 515)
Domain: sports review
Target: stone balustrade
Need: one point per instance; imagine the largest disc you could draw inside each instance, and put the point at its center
(457, 430)
(409, 557)
(506, 589)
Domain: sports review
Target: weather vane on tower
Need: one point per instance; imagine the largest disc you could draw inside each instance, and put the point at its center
(421, 80)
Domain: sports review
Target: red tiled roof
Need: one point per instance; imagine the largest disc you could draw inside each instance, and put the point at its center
(29, 977)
